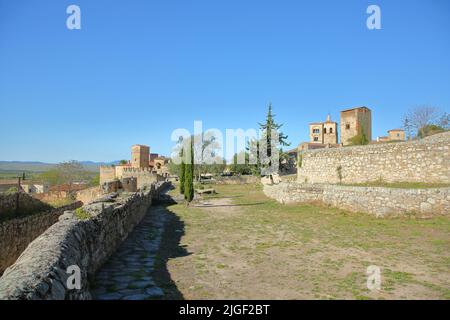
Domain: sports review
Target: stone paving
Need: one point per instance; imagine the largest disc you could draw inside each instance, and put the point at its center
(128, 275)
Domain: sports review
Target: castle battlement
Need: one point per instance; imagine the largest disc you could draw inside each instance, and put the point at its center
(106, 167)
(137, 170)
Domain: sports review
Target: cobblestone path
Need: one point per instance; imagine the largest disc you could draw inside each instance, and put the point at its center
(128, 275)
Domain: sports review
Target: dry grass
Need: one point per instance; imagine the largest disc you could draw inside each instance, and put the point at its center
(246, 246)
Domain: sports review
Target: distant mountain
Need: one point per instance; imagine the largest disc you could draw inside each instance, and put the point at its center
(36, 166)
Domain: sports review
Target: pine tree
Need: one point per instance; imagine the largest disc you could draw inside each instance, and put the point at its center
(182, 172)
(189, 175)
(267, 128)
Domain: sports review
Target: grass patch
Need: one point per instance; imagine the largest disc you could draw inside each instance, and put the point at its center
(60, 202)
(82, 214)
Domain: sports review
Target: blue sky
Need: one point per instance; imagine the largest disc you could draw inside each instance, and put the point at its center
(139, 69)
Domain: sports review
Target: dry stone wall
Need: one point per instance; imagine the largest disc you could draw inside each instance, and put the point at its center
(20, 203)
(426, 160)
(16, 234)
(40, 272)
(244, 179)
(381, 202)
(89, 195)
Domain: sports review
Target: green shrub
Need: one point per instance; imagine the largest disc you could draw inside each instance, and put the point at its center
(12, 190)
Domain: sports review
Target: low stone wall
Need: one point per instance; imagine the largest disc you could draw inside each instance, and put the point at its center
(89, 195)
(40, 272)
(20, 203)
(16, 234)
(425, 160)
(237, 180)
(381, 202)
(52, 196)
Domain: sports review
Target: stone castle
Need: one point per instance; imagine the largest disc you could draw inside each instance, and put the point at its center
(144, 166)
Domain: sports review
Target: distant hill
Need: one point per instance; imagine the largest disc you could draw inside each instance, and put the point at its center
(36, 166)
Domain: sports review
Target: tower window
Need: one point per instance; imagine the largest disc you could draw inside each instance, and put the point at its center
(316, 138)
(331, 130)
(347, 126)
(325, 130)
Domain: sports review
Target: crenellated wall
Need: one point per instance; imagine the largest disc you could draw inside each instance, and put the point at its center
(426, 160)
(85, 239)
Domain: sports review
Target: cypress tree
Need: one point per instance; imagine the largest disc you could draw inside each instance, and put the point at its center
(189, 176)
(182, 172)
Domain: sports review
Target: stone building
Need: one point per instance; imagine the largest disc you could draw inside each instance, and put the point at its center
(396, 135)
(355, 121)
(323, 132)
(140, 156)
(393, 135)
(140, 168)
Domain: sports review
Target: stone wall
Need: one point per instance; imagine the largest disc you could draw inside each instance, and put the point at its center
(40, 272)
(144, 176)
(426, 160)
(381, 202)
(107, 173)
(237, 179)
(20, 204)
(16, 234)
(89, 195)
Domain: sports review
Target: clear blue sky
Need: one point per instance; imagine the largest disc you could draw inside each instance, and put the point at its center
(139, 69)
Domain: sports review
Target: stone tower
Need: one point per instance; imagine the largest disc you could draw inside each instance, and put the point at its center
(140, 156)
(330, 132)
(355, 121)
(323, 132)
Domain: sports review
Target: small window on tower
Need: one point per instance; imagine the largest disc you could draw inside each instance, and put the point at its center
(325, 130)
(347, 126)
(316, 138)
(331, 130)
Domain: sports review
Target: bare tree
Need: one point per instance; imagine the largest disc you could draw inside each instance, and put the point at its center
(206, 149)
(66, 173)
(444, 121)
(416, 119)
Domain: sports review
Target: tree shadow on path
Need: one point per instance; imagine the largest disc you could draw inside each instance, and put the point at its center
(170, 248)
